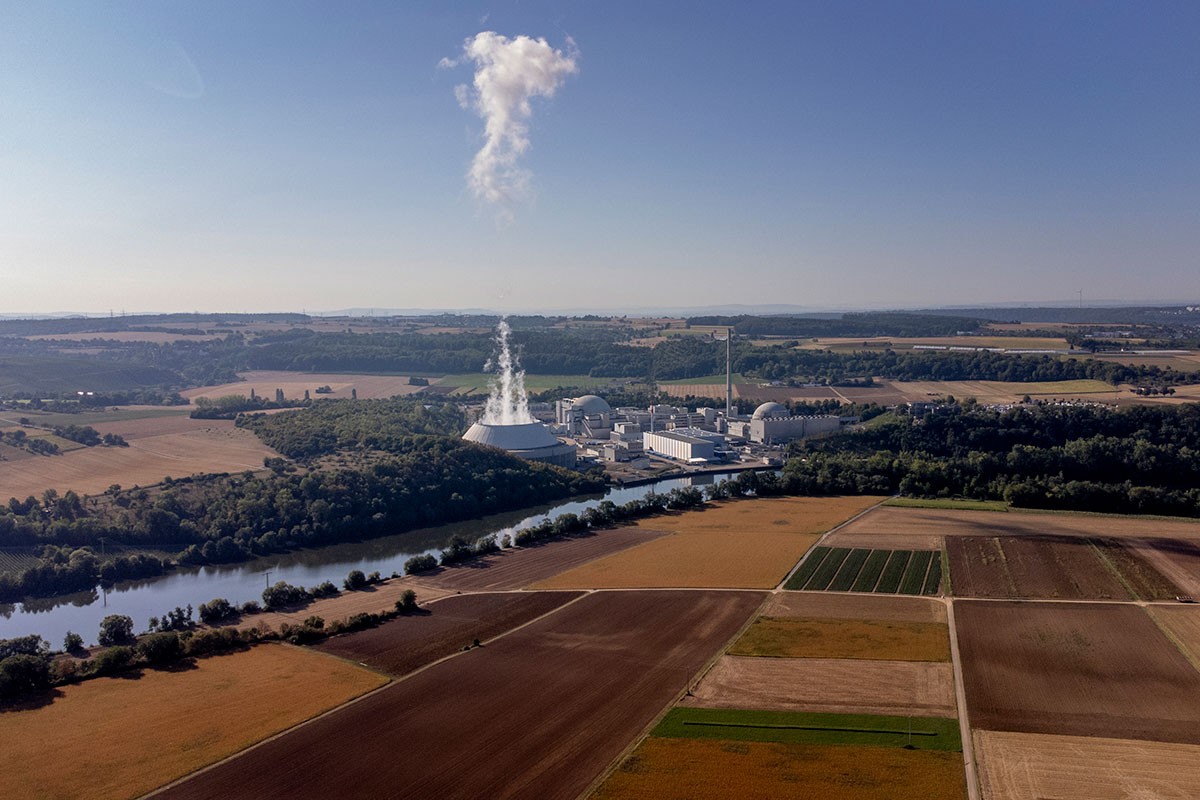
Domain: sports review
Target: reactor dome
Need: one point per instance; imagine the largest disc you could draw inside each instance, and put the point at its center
(591, 404)
(771, 410)
(531, 441)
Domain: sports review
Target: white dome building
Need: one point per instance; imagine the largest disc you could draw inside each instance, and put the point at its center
(771, 410)
(592, 404)
(531, 441)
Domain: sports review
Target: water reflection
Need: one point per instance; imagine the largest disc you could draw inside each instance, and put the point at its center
(238, 583)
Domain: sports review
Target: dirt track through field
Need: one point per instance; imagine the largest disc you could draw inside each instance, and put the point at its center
(1029, 766)
(828, 685)
(538, 713)
(1075, 668)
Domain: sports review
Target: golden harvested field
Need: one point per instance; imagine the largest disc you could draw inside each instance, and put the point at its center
(1005, 391)
(702, 769)
(892, 526)
(117, 737)
(201, 446)
(736, 544)
(782, 637)
(265, 382)
(828, 685)
(1033, 766)
(836, 605)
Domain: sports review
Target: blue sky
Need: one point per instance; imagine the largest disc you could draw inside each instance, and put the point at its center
(269, 156)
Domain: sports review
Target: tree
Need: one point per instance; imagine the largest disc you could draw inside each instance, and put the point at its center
(160, 648)
(407, 602)
(115, 629)
(355, 580)
(72, 642)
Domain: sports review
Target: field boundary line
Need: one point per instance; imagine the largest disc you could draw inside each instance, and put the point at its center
(391, 683)
(182, 779)
(960, 695)
(1179, 645)
(687, 688)
(819, 542)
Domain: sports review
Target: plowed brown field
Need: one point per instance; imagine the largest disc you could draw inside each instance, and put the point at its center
(828, 685)
(1030, 566)
(736, 544)
(1030, 766)
(408, 643)
(856, 606)
(1182, 624)
(1075, 668)
(700, 769)
(521, 566)
(1177, 559)
(538, 713)
(121, 737)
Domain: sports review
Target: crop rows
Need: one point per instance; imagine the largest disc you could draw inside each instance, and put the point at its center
(859, 569)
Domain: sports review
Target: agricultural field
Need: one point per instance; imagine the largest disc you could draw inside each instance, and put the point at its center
(152, 337)
(542, 711)
(844, 569)
(791, 637)
(878, 608)
(478, 382)
(295, 384)
(891, 526)
(518, 567)
(796, 727)
(961, 504)
(734, 544)
(1182, 625)
(121, 737)
(827, 685)
(1076, 669)
(158, 446)
(703, 769)
(1177, 559)
(442, 629)
(1030, 766)
(1047, 567)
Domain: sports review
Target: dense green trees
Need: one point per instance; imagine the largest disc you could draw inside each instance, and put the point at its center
(1138, 459)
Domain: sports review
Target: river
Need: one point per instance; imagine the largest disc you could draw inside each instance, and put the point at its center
(51, 618)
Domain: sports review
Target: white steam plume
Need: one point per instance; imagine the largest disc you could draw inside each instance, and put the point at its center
(508, 72)
(508, 403)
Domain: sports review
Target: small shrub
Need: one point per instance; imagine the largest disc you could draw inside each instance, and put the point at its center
(251, 607)
(421, 563)
(326, 589)
(314, 622)
(407, 602)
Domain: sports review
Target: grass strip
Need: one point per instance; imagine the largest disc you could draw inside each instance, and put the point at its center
(889, 581)
(801, 576)
(849, 571)
(829, 567)
(800, 727)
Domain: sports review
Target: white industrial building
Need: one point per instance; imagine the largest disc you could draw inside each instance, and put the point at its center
(689, 445)
(772, 423)
(589, 416)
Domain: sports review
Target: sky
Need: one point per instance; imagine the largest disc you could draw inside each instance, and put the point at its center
(524, 156)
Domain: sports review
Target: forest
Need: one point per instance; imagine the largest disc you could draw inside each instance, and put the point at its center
(1136, 459)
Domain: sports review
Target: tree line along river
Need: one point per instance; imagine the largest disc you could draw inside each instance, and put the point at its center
(82, 612)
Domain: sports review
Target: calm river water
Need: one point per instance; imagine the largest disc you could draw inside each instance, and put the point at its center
(81, 613)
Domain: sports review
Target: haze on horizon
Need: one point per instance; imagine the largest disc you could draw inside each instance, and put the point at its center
(251, 156)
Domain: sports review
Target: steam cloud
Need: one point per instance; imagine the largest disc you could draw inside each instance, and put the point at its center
(508, 72)
(508, 403)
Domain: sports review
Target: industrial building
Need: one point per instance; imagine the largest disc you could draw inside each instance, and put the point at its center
(532, 441)
(589, 416)
(689, 445)
(772, 423)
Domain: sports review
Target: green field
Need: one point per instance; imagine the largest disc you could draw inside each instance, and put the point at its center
(948, 502)
(842, 569)
(791, 727)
